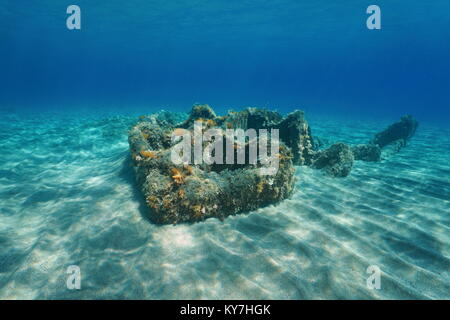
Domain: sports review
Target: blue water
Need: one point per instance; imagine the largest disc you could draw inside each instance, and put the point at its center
(67, 192)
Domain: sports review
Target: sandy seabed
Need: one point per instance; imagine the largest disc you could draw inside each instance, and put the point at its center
(67, 197)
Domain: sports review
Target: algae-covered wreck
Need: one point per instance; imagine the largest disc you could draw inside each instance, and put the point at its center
(189, 190)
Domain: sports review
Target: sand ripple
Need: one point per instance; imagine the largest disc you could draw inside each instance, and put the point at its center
(68, 198)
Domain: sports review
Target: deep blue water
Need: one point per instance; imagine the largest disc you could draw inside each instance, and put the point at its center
(67, 192)
(317, 55)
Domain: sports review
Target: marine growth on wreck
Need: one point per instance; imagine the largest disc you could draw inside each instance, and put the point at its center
(190, 190)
